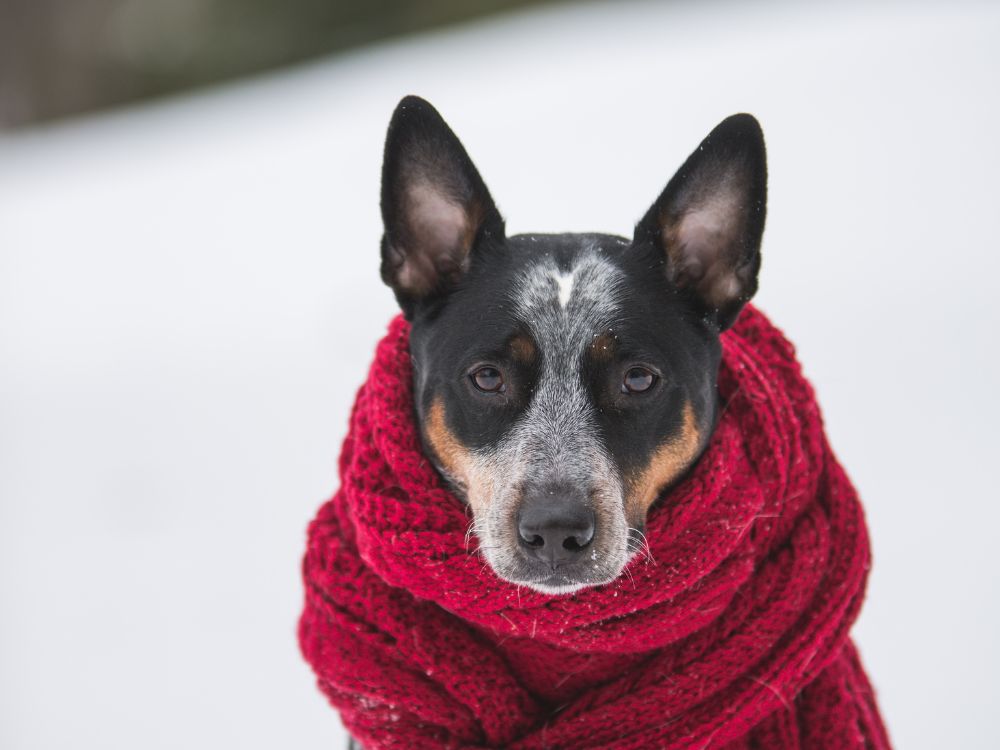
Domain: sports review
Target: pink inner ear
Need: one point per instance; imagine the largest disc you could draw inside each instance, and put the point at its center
(437, 239)
(704, 247)
(438, 224)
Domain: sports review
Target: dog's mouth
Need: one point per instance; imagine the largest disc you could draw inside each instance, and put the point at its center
(601, 563)
(566, 582)
(559, 585)
(567, 578)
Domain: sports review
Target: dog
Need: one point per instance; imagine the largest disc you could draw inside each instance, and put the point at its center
(562, 386)
(563, 382)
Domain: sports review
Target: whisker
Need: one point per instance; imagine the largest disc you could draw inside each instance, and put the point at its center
(628, 572)
(645, 545)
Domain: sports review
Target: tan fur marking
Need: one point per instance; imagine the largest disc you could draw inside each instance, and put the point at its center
(666, 464)
(602, 347)
(453, 457)
(523, 348)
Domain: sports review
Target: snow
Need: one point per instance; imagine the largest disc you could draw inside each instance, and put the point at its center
(189, 296)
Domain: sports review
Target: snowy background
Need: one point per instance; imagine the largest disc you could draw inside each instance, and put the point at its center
(189, 297)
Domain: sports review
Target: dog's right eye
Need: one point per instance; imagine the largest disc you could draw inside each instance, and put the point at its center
(488, 380)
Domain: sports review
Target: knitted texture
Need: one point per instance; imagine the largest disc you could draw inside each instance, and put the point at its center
(732, 633)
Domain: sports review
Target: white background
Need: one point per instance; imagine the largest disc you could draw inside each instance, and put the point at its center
(189, 297)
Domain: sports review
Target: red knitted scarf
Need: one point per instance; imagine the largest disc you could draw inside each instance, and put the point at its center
(732, 633)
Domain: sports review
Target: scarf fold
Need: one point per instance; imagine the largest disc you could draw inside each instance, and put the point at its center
(732, 632)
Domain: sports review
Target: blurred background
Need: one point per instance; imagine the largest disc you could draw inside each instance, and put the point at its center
(189, 297)
(67, 57)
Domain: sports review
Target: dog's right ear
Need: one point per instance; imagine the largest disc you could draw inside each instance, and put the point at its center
(435, 207)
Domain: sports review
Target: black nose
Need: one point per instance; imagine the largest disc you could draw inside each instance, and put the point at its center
(554, 529)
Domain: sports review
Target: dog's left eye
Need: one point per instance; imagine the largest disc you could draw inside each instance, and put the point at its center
(638, 380)
(488, 380)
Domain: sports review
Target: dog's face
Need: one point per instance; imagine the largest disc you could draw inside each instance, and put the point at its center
(562, 382)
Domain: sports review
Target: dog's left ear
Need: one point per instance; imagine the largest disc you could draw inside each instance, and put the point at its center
(709, 220)
(435, 207)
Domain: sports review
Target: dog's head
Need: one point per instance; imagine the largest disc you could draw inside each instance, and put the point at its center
(562, 382)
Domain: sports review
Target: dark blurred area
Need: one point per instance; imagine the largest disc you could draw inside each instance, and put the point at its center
(66, 57)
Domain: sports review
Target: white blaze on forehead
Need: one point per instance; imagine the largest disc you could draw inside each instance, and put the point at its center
(592, 284)
(565, 283)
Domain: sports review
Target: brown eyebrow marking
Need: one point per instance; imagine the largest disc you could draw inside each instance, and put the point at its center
(602, 346)
(666, 464)
(523, 348)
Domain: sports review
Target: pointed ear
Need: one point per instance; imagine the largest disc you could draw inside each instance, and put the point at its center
(435, 207)
(709, 220)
